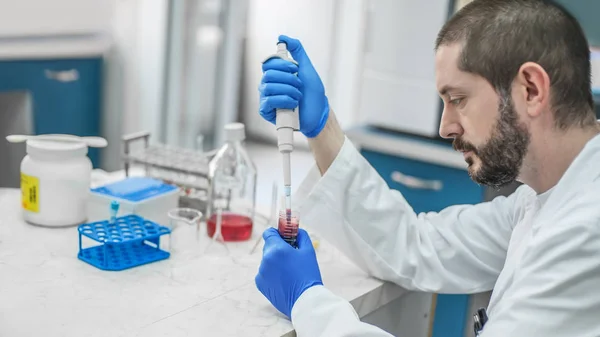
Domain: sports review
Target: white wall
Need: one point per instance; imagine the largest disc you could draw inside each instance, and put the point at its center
(331, 33)
(43, 17)
(347, 59)
(134, 73)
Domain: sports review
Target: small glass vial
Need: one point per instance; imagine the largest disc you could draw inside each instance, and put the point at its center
(232, 189)
(288, 227)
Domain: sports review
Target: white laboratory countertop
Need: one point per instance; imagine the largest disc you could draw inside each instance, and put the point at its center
(30, 48)
(46, 291)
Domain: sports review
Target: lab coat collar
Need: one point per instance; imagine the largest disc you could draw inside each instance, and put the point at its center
(584, 170)
(581, 171)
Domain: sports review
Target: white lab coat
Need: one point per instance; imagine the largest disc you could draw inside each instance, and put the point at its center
(540, 254)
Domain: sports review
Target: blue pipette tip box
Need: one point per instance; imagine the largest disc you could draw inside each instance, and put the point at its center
(128, 242)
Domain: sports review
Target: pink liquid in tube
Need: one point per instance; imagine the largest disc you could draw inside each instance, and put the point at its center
(288, 226)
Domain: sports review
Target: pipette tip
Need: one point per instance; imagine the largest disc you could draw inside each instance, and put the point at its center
(114, 209)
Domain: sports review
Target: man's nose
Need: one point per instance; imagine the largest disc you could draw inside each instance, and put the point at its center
(450, 126)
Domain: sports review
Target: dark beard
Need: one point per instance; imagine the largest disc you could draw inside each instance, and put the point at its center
(502, 156)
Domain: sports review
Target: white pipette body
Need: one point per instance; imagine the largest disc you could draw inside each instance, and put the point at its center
(287, 121)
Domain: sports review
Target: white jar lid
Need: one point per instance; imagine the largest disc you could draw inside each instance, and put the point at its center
(55, 149)
(235, 132)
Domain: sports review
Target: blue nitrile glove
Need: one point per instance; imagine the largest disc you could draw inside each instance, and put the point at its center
(286, 272)
(280, 88)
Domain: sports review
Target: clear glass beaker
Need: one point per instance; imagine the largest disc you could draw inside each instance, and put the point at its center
(184, 224)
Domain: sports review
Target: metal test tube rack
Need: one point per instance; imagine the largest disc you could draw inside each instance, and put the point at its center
(186, 168)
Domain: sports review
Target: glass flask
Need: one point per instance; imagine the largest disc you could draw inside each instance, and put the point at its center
(232, 189)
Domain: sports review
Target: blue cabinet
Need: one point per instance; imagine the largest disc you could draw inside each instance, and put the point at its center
(428, 185)
(66, 94)
(433, 187)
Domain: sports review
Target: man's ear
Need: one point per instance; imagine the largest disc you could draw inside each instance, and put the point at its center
(533, 83)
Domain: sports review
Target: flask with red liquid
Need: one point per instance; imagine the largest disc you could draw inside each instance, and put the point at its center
(232, 189)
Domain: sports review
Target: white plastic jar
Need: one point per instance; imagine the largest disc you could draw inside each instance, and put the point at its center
(55, 183)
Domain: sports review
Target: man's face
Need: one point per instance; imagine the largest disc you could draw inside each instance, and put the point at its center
(484, 125)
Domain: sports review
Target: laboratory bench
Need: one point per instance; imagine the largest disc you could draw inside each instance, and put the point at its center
(47, 291)
(212, 292)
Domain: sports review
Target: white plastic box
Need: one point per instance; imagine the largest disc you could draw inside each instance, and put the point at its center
(147, 197)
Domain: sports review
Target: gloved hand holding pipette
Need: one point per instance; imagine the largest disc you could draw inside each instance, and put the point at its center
(280, 281)
(280, 88)
(289, 83)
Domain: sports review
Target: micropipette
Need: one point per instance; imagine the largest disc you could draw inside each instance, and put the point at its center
(287, 121)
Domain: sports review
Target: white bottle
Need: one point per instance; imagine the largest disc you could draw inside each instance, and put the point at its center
(55, 183)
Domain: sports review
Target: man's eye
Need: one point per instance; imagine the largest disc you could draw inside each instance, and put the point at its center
(456, 101)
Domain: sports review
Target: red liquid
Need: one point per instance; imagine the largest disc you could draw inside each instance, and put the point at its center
(288, 232)
(234, 227)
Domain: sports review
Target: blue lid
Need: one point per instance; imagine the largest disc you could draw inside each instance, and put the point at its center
(135, 189)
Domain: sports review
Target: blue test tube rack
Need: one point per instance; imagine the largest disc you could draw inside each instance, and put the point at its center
(128, 241)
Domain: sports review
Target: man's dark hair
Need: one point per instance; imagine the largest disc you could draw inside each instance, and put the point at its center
(499, 36)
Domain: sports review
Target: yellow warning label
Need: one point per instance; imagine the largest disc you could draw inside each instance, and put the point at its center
(30, 189)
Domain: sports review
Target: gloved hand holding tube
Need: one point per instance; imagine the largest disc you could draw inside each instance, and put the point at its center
(280, 88)
(286, 272)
